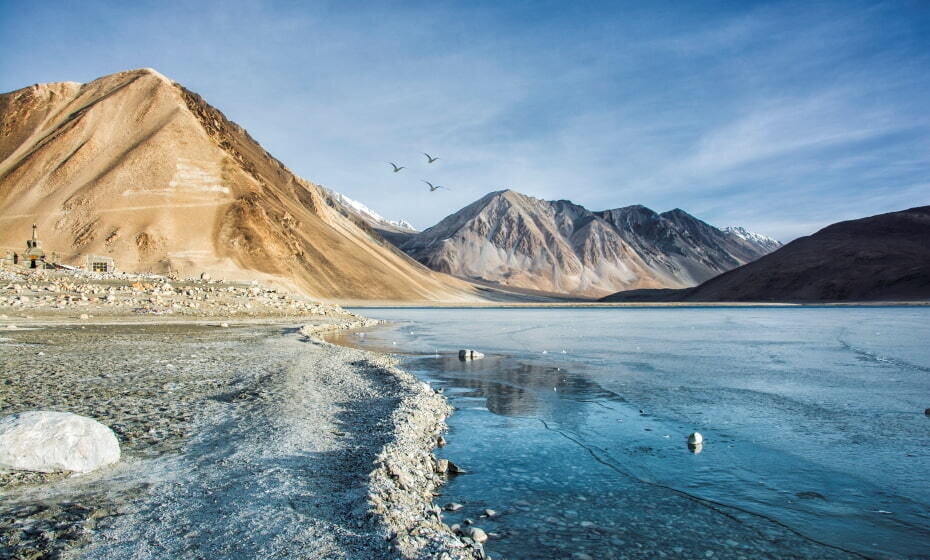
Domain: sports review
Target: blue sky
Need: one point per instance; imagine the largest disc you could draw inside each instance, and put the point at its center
(783, 117)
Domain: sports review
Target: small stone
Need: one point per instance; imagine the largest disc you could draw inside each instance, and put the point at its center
(84, 316)
(442, 466)
(452, 506)
(455, 469)
(927, 412)
(468, 354)
(491, 513)
(695, 438)
(477, 534)
(441, 441)
(468, 521)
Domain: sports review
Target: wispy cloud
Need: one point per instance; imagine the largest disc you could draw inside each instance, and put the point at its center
(782, 117)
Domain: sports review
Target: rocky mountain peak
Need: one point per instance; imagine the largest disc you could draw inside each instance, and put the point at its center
(518, 240)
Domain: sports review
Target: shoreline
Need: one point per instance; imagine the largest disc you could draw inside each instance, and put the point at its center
(406, 477)
(610, 305)
(102, 513)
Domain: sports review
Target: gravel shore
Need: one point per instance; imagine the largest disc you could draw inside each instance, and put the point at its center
(252, 441)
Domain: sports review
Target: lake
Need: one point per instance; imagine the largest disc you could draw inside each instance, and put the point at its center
(574, 428)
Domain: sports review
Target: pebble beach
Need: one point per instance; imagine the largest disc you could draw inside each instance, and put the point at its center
(242, 434)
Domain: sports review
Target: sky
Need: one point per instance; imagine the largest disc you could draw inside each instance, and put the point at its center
(782, 117)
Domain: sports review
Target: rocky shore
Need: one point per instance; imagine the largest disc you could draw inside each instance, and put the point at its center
(86, 295)
(255, 440)
(407, 476)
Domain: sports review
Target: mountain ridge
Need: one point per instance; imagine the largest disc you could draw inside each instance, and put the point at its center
(885, 257)
(513, 239)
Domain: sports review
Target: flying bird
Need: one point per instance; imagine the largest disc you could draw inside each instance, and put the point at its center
(430, 159)
(396, 169)
(433, 187)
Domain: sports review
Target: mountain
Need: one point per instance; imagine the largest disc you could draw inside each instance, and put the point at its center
(395, 232)
(879, 258)
(754, 238)
(682, 247)
(556, 246)
(137, 167)
(371, 217)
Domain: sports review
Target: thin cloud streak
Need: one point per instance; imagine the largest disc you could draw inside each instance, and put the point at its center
(781, 117)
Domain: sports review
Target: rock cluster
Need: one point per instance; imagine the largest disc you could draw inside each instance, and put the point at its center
(126, 294)
(407, 475)
(321, 328)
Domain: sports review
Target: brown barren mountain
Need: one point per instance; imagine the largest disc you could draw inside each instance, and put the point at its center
(879, 258)
(511, 239)
(136, 167)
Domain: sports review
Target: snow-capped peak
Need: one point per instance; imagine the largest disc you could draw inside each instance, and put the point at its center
(750, 236)
(368, 212)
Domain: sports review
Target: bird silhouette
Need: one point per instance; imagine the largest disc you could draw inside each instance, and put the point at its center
(430, 159)
(433, 187)
(396, 169)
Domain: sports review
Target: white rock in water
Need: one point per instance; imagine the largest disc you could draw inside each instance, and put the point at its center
(478, 535)
(470, 355)
(695, 438)
(46, 441)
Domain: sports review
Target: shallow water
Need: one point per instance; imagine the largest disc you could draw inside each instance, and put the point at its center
(574, 428)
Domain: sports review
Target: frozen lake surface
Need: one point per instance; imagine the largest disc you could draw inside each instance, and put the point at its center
(574, 428)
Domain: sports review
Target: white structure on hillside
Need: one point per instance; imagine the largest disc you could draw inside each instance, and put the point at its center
(96, 263)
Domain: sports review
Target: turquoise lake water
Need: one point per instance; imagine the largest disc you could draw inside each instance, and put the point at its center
(574, 427)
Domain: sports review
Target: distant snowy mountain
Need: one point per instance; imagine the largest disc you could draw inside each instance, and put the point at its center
(370, 216)
(512, 239)
(754, 238)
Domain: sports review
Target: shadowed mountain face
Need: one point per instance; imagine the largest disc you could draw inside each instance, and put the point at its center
(880, 258)
(557, 246)
(135, 166)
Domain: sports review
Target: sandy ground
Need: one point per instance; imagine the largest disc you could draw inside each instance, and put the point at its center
(251, 441)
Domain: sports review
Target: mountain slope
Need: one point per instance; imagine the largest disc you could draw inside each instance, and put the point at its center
(879, 258)
(557, 246)
(761, 241)
(681, 246)
(134, 166)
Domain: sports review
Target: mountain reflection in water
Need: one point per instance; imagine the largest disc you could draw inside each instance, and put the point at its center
(522, 389)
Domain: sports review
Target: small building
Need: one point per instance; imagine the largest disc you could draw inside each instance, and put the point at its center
(96, 263)
(34, 257)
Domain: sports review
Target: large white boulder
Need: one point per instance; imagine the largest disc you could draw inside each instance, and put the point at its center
(46, 441)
